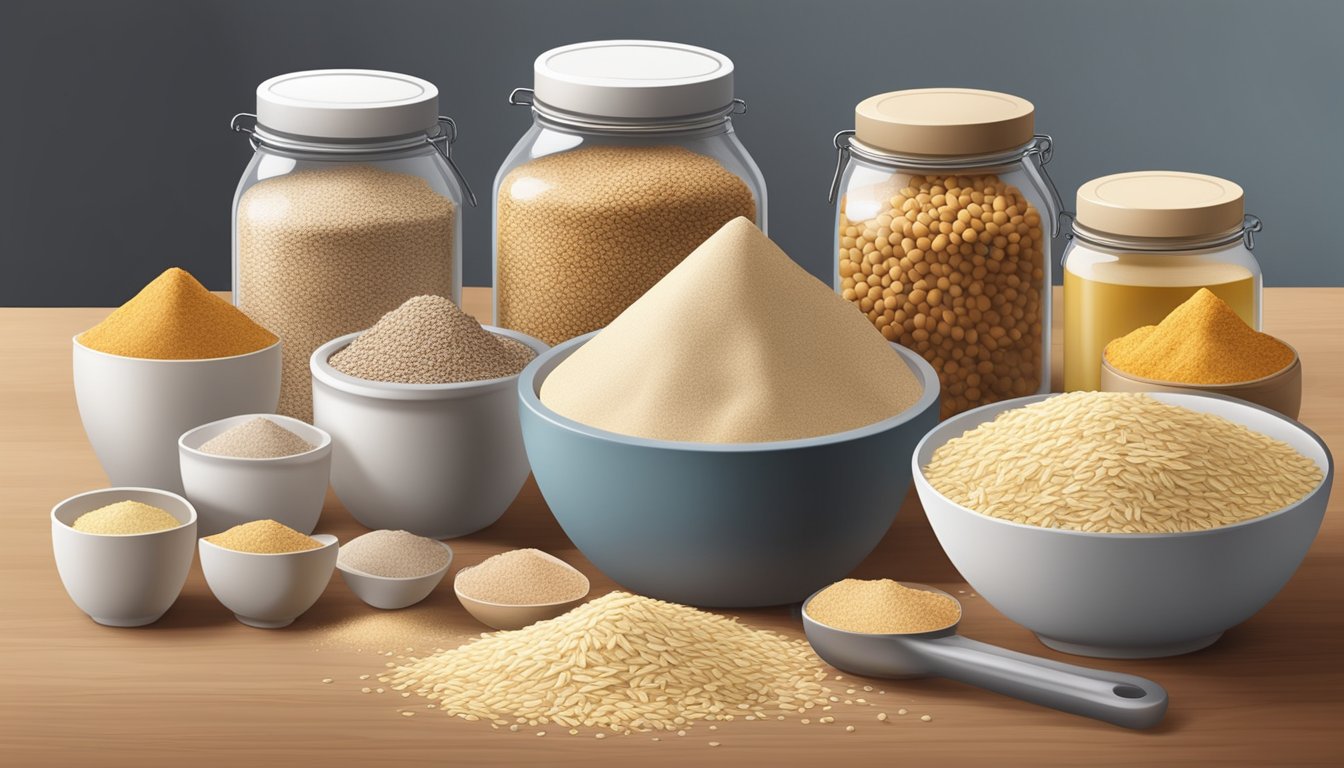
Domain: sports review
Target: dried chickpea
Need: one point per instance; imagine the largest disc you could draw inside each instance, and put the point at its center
(961, 285)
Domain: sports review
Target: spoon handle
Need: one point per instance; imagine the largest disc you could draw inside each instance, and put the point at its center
(1126, 700)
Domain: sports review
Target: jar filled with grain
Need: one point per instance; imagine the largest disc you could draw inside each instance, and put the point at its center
(631, 162)
(350, 206)
(943, 236)
(1142, 244)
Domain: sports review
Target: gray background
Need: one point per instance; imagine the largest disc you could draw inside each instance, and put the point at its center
(118, 161)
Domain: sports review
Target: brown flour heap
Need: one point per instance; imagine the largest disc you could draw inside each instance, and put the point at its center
(429, 340)
(738, 344)
(323, 253)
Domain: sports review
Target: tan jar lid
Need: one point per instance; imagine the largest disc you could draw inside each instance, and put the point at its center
(944, 121)
(1160, 204)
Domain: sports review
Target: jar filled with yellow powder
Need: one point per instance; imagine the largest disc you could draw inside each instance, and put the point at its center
(942, 236)
(631, 162)
(1142, 244)
(351, 205)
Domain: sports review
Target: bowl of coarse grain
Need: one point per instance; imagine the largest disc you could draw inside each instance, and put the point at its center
(269, 590)
(722, 524)
(279, 474)
(1280, 391)
(134, 409)
(123, 580)
(438, 460)
(393, 569)
(1122, 574)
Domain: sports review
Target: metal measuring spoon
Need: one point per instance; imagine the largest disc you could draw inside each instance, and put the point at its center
(1127, 700)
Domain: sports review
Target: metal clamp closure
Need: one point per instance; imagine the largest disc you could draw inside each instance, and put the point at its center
(249, 131)
(1037, 155)
(517, 94)
(841, 142)
(1249, 226)
(442, 142)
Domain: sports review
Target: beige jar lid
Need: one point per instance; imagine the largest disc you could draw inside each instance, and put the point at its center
(944, 121)
(1160, 204)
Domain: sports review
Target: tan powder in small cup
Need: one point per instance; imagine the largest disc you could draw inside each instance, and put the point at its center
(737, 344)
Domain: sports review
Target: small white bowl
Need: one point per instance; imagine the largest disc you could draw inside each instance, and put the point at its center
(389, 592)
(269, 591)
(438, 460)
(123, 580)
(134, 409)
(505, 617)
(229, 491)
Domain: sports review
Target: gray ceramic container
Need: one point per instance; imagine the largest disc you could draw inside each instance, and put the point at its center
(722, 524)
(1122, 595)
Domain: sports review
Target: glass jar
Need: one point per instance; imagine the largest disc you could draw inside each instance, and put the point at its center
(943, 236)
(631, 162)
(1141, 244)
(350, 206)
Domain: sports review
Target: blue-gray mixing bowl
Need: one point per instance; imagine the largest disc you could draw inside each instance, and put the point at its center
(722, 524)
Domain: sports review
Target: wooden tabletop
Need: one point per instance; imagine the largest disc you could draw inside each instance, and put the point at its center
(198, 688)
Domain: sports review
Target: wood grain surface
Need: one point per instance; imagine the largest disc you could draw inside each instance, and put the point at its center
(198, 688)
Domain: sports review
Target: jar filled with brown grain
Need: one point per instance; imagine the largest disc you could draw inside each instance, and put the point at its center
(350, 206)
(631, 162)
(943, 235)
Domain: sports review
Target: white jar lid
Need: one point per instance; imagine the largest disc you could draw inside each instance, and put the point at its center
(944, 121)
(1160, 204)
(347, 104)
(633, 79)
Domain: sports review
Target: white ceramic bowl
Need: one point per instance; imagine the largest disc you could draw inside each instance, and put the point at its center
(129, 580)
(134, 409)
(1129, 595)
(506, 617)
(229, 491)
(269, 591)
(438, 460)
(391, 593)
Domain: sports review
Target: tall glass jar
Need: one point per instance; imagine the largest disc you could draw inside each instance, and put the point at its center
(631, 162)
(350, 206)
(943, 236)
(1142, 243)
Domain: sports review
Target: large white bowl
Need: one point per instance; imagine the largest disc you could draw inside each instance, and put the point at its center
(1129, 595)
(127, 580)
(438, 460)
(134, 409)
(229, 491)
(269, 591)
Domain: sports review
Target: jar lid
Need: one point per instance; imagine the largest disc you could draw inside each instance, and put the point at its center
(1160, 204)
(347, 104)
(944, 121)
(633, 79)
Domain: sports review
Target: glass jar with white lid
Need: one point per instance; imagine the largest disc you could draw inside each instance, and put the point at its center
(943, 235)
(630, 163)
(1141, 244)
(351, 205)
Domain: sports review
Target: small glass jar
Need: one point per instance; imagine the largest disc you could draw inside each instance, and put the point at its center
(350, 206)
(943, 236)
(1141, 244)
(631, 162)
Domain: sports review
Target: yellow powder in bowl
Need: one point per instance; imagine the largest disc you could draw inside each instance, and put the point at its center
(882, 607)
(1202, 341)
(264, 537)
(124, 518)
(737, 344)
(177, 318)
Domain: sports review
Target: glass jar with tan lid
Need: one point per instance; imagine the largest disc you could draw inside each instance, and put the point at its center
(630, 163)
(943, 235)
(1142, 243)
(350, 205)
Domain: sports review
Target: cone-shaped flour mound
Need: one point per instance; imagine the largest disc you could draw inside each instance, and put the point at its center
(737, 344)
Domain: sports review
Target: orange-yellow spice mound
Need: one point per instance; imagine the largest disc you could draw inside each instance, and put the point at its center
(1203, 341)
(177, 318)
